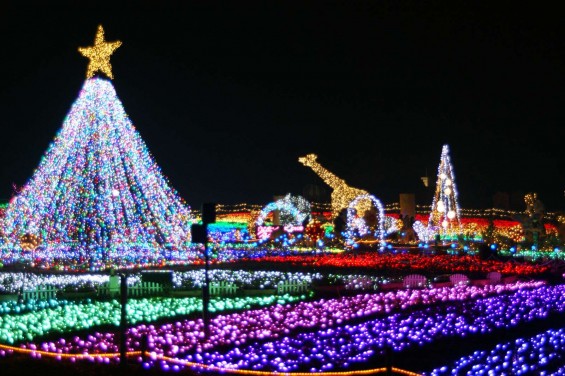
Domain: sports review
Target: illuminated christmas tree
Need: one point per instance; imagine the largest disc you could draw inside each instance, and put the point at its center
(444, 217)
(97, 197)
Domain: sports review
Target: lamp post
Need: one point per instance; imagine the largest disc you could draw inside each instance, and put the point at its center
(123, 318)
(200, 235)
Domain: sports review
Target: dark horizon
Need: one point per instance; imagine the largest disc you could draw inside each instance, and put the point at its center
(227, 97)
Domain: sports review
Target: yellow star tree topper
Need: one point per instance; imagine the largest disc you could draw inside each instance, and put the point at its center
(99, 54)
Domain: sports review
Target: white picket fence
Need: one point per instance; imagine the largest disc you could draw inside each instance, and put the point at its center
(223, 288)
(112, 289)
(145, 288)
(137, 290)
(414, 281)
(40, 293)
(289, 287)
(459, 280)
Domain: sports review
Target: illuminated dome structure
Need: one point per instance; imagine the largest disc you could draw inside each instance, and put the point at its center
(97, 199)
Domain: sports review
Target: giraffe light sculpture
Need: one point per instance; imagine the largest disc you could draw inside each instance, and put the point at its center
(342, 194)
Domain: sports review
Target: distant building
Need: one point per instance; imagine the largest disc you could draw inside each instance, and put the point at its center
(422, 190)
(407, 204)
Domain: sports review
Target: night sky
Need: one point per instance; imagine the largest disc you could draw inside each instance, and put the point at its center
(228, 95)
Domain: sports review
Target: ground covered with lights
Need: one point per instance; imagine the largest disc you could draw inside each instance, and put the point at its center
(335, 321)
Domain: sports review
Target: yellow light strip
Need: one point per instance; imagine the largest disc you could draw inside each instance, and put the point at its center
(267, 373)
(60, 355)
(206, 366)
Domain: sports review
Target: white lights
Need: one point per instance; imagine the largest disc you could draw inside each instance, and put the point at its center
(445, 208)
(358, 226)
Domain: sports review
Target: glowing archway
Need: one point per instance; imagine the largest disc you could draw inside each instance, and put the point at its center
(292, 210)
(357, 226)
(288, 205)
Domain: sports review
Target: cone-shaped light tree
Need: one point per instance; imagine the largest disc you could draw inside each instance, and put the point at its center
(97, 197)
(444, 216)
